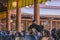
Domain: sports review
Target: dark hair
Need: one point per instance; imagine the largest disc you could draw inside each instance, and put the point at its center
(30, 31)
(58, 32)
(47, 33)
(33, 20)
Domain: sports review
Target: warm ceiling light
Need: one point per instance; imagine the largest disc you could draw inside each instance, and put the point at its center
(14, 4)
(27, 6)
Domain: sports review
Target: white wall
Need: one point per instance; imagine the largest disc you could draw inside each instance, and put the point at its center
(45, 11)
(42, 11)
(53, 3)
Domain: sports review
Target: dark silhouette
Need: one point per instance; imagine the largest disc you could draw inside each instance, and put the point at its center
(39, 28)
(58, 34)
(54, 34)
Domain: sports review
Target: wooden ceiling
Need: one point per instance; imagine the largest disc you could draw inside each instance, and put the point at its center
(22, 3)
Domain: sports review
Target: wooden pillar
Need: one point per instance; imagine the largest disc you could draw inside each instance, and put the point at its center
(8, 16)
(8, 25)
(26, 25)
(36, 11)
(0, 25)
(18, 17)
(56, 24)
(51, 24)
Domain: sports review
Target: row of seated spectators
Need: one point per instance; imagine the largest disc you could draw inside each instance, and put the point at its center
(34, 32)
(31, 34)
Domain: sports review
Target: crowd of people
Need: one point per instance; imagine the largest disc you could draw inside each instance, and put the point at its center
(34, 32)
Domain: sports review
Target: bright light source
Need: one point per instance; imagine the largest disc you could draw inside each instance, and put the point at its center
(11, 20)
(30, 5)
(14, 4)
(27, 6)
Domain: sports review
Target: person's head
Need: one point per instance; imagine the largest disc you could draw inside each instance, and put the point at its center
(31, 32)
(33, 29)
(46, 33)
(34, 21)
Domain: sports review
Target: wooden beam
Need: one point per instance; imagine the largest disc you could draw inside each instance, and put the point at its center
(43, 20)
(51, 24)
(8, 23)
(36, 12)
(56, 20)
(18, 17)
(27, 19)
